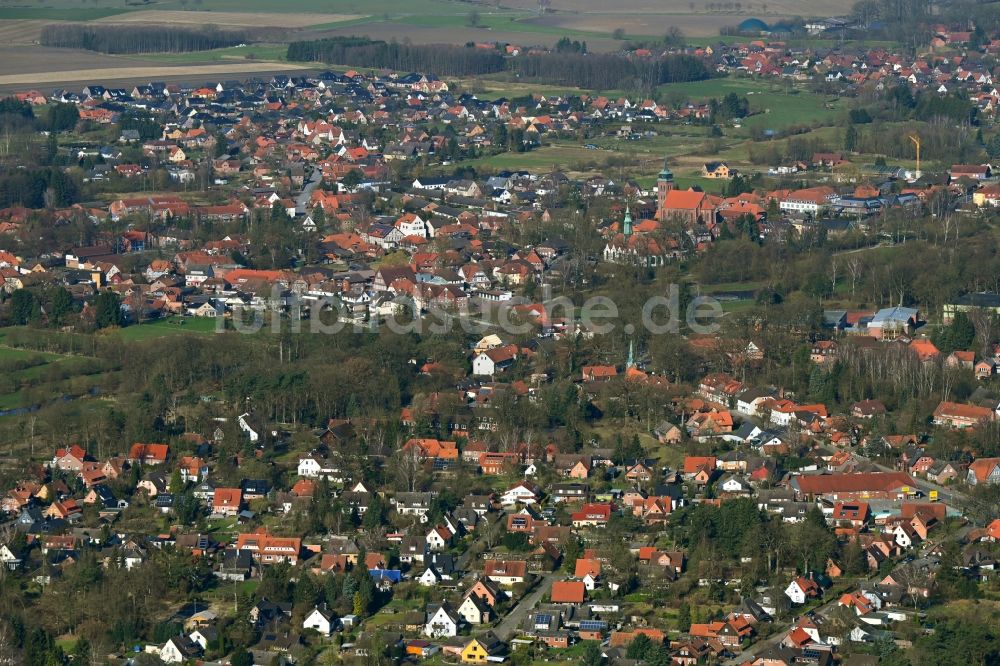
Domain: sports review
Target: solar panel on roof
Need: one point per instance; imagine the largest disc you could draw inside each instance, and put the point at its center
(592, 625)
(543, 618)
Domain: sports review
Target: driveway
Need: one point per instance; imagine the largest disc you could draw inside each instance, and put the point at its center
(302, 201)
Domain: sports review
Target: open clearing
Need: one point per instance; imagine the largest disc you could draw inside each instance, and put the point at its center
(166, 327)
(229, 19)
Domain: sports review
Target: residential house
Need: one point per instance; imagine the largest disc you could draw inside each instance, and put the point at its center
(443, 622)
(802, 589)
(321, 618)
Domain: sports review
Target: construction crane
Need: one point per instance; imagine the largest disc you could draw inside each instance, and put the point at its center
(916, 142)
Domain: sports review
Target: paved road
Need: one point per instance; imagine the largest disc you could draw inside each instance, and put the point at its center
(509, 625)
(302, 201)
(775, 638)
(827, 608)
(950, 496)
(478, 546)
(946, 495)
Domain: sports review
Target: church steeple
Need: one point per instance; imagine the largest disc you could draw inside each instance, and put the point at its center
(631, 355)
(627, 222)
(666, 175)
(664, 183)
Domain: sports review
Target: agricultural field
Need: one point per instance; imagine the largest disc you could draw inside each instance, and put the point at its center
(640, 26)
(771, 8)
(418, 21)
(227, 19)
(21, 32)
(141, 73)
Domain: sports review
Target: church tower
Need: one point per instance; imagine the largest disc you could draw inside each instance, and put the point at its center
(627, 223)
(664, 183)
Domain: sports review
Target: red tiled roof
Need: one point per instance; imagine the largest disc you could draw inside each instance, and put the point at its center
(568, 592)
(870, 481)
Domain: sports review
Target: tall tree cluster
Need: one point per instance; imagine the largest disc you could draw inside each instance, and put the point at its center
(139, 38)
(566, 67)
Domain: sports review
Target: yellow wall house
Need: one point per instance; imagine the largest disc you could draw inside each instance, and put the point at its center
(716, 170)
(474, 652)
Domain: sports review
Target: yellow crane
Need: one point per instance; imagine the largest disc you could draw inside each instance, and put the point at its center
(916, 142)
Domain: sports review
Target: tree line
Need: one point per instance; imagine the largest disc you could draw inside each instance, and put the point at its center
(38, 188)
(608, 71)
(594, 71)
(360, 52)
(140, 38)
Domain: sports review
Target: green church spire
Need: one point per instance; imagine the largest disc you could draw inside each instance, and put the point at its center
(627, 222)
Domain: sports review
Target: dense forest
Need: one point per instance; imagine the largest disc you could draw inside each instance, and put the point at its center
(140, 38)
(568, 68)
(37, 188)
(359, 52)
(608, 71)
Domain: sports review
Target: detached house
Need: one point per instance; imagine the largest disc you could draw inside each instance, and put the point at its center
(983, 471)
(269, 549)
(492, 361)
(474, 610)
(959, 415)
(70, 459)
(592, 515)
(524, 493)
(315, 465)
(179, 649)
(443, 622)
(148, 454)
(227, 501)
(321, 618)
(802, 589)
(506, 572)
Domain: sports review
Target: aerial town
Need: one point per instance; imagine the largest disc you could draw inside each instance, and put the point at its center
(359, 364)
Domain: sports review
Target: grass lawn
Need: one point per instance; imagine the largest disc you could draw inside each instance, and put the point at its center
(13, 353)
(67, 642)
(730, 286)
(710, 185)
(222, 528)
(781, 110)
(775, 105)
(168, 326)
(738, 306)
(54, 376)
(545, 158)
